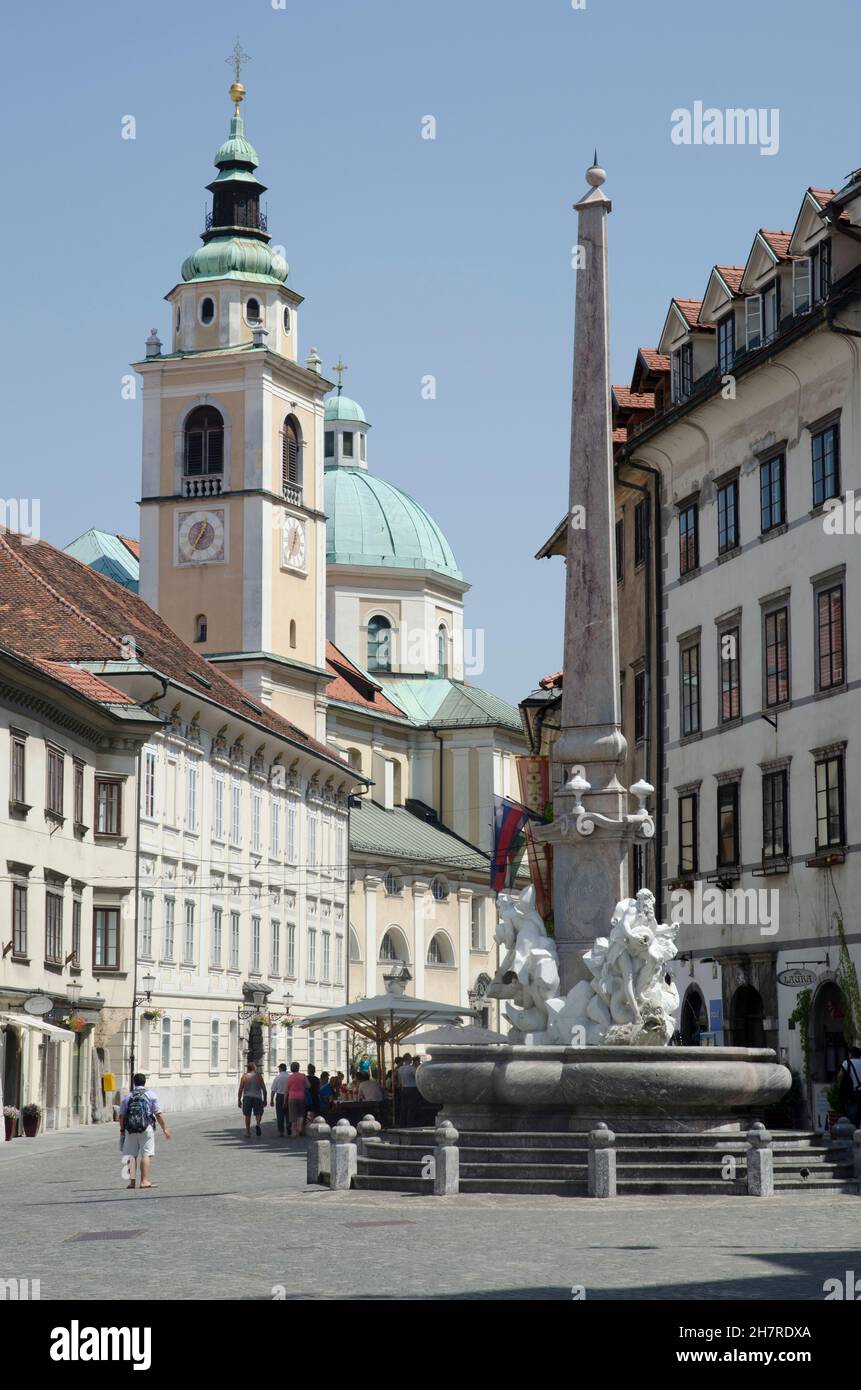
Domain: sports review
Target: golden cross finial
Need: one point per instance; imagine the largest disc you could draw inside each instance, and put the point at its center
(340, 367)
(237, 58)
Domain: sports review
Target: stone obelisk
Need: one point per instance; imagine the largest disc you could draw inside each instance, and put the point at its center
(589, 856)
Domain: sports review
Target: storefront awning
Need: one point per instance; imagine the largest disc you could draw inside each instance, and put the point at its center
(38, 1024)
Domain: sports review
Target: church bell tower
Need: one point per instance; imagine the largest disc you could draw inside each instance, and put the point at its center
(233, 533)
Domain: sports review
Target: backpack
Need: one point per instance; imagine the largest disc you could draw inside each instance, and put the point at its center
(137, 1112)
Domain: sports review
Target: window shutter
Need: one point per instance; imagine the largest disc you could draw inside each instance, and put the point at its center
(753, 320)
(215, 451)
(801, 273)
(194, 451)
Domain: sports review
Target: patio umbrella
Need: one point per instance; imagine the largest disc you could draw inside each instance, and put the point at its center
(457, 1037)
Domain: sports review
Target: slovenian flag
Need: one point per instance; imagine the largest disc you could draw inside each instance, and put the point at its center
(509, 818)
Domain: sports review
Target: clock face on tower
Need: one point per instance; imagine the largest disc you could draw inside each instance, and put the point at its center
(293, 543)
(200, 537)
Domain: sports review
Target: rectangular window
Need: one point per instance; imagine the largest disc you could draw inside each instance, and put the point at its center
(186, 1044)
(326, 956)
(312, 840)
(54, 789)
(234, 941)
(730, 679)
(215, 944)
(772, 493)
(54, 928)
(329, 444)
(476, 936)
(641, 532)
(149, 783)
(170, 792)
(191, 798)
(218, 808)
(341, 850)
(236, 813)
(169, 929)
(753, 321)
(188, 937)
(19, 920)
(165, 1044)
(77, 908)
(640, 705)
(256, 832)
(689, 544)
(825, 454)
(775, 821)
(78, 790)
(275, 962)
(214, 1044)
(233, 1045)
(275, 830)
(291, 950)
(109, 804)
(688, 833)
(821, 271)
(777, 657)
(801, 298)
(690, 689)
(312, 953)
(146, 926)
(727, 500)
(620, 551)
(255, 944)
(291, 832)
(18, 781)
(682, 373)
(347, 444)
(726, 343)
(830, 826)
(771, 311)
(829, 638)
(727, 825)
(106, 938)
(339, 959)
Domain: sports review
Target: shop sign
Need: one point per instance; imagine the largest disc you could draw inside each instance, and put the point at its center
(796, 979)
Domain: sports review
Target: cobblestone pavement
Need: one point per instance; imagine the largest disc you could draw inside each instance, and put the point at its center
(233, 1219)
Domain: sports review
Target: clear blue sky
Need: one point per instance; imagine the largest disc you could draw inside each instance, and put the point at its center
(449, 257)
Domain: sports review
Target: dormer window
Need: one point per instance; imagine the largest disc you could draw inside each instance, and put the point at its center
(207, 310)
(682, 367)
(726, 343)
(771, 311)
(811, 278)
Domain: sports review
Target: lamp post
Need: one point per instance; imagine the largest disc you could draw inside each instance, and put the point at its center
(74, 989)
(148, 982)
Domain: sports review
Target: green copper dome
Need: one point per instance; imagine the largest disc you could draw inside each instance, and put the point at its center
(371, 522)
(236, 149)
(342, 408)
(238, 256)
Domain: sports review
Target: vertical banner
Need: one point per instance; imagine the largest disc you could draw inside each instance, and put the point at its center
(533, 775)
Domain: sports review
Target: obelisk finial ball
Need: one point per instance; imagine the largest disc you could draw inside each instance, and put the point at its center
(595, 175)
(237, 92)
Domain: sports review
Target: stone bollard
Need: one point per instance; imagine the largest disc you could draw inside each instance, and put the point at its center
(342, 1157)
(602, 1162)
(368, 1131)
(760, 1161)
(446, 1173)
(317, 1157)
(843, 1132)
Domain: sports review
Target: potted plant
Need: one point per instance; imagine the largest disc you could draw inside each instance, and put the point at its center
(76, 1023)
(152, 1015)
(287, 1021)
(30, 1117)
(11, 1115)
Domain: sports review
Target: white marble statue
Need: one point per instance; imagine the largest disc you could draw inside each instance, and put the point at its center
(627, 999)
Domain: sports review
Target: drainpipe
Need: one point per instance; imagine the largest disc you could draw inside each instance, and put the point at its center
(654, 675)
(137, 902)
(438, 736)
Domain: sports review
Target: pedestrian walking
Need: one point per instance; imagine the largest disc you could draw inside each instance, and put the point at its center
(252, 1098)
(278, 1096)
(312, 1096)
(140, 1110)
(406, 1081)
(296, 1100)
(850, 1085)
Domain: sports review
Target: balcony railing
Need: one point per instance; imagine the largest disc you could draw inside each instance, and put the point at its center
(293, 493)
(202, 485)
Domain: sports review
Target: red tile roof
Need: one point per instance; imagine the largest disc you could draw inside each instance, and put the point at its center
(823, 196)
(84, 682)
(626, 399)
(56, 608)
(620, 436)
(778, 241)
(353, 687)
(132, 545)
(654, 360)
(690, 309)
(732, 275)
(551, 682)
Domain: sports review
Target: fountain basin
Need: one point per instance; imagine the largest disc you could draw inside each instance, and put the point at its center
(632, 1089)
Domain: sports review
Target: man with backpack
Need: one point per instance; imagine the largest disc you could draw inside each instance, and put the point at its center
(139, 1111)
(850, 1085)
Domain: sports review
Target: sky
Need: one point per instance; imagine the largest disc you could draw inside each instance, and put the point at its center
(449, 257)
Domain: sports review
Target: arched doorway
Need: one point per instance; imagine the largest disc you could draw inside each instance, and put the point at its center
(827, 1043)
(747, 1016)
(694, 1020)
(11, 1067)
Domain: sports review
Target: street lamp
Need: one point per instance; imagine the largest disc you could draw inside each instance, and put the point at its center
(259, 997)
(74, 989)
(148, 982)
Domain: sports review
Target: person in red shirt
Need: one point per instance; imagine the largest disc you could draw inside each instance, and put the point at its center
(296, 1100)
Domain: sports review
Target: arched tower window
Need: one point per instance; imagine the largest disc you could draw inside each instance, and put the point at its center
(379, 644)
(204, 441)
(200, 628)
(291, 460)
(442, 651)
(252, 311)
(207, 310)
(440, 951)
(393, 946)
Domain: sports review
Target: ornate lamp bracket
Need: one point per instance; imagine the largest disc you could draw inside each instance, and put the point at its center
(583, 822)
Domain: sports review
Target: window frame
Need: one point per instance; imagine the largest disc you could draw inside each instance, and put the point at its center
(768, 614)
(836, 651)
(106, 966)
(20, 910)
(642, 527)
(18, 765)
(685, 868)
(117, 784)
(729, 674)
(725, 331)
(838, 760)
(775, 778)
(690, 709)
(818, 486)
(768, 465)
(728, 516)
(689, 537)
(729, 792)
(55, 781)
